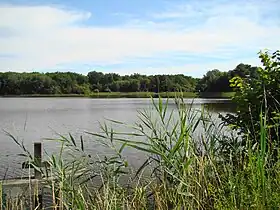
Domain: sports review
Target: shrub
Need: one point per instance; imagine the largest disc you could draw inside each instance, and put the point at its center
(256, 95)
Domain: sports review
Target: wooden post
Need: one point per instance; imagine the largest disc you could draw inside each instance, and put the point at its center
(38, 174)
(38, 159)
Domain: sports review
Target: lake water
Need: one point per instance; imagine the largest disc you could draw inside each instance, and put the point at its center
(33, 119)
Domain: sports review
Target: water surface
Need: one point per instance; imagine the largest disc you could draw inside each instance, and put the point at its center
(33, 119)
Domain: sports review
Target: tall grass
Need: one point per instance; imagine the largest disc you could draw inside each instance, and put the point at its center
(216, 94)
(192, 163)
(141, 94)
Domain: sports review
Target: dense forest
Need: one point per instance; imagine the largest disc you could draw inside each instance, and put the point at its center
(12, 83)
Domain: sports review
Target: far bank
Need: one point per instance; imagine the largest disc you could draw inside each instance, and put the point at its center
(134, 95)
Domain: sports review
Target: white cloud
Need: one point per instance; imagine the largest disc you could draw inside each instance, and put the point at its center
(44, 36)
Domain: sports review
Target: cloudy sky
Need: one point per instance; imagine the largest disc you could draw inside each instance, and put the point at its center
(128, 36)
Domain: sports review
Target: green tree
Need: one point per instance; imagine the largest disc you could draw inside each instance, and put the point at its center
(134, 85)
(10, 83)
(243, 70)
(256, 96)
(115, 86)
(144, 84)
(124, 85)
(209, 82)
(95, 77)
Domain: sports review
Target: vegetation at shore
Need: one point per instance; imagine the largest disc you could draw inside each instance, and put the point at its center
(131, 95)
(192, 161)
(112, 84)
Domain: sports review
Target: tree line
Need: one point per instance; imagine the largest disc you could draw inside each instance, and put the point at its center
(13, 83)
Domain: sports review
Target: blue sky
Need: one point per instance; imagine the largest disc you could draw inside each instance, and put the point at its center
(143, 36)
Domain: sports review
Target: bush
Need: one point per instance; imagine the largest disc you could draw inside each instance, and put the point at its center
(107, 90)
(256, 95)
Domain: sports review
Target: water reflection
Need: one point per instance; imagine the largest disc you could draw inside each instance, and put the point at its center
(225, 107)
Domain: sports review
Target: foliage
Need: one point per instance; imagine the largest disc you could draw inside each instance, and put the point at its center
(12, 83)
(141, 83)
(255, 94)
(217, 81)
(214, 81)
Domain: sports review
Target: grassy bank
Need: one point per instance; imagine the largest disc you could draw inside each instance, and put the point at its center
(182, 171)
(132, 95)
(46, 96)
(142, 95)
(216, 94)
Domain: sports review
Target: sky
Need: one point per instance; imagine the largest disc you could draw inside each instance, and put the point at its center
(187, 37)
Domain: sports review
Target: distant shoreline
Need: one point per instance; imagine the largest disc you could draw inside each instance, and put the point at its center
(127, 95)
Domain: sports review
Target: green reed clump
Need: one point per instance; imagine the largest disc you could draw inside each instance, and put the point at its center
(192, 163)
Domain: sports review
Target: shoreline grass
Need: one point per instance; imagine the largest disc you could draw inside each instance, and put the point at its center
(216, 94)
(127, 95)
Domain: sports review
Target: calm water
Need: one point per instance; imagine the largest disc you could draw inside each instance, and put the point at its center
(33, 119)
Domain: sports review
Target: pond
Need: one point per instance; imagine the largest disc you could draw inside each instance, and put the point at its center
(33, 119)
